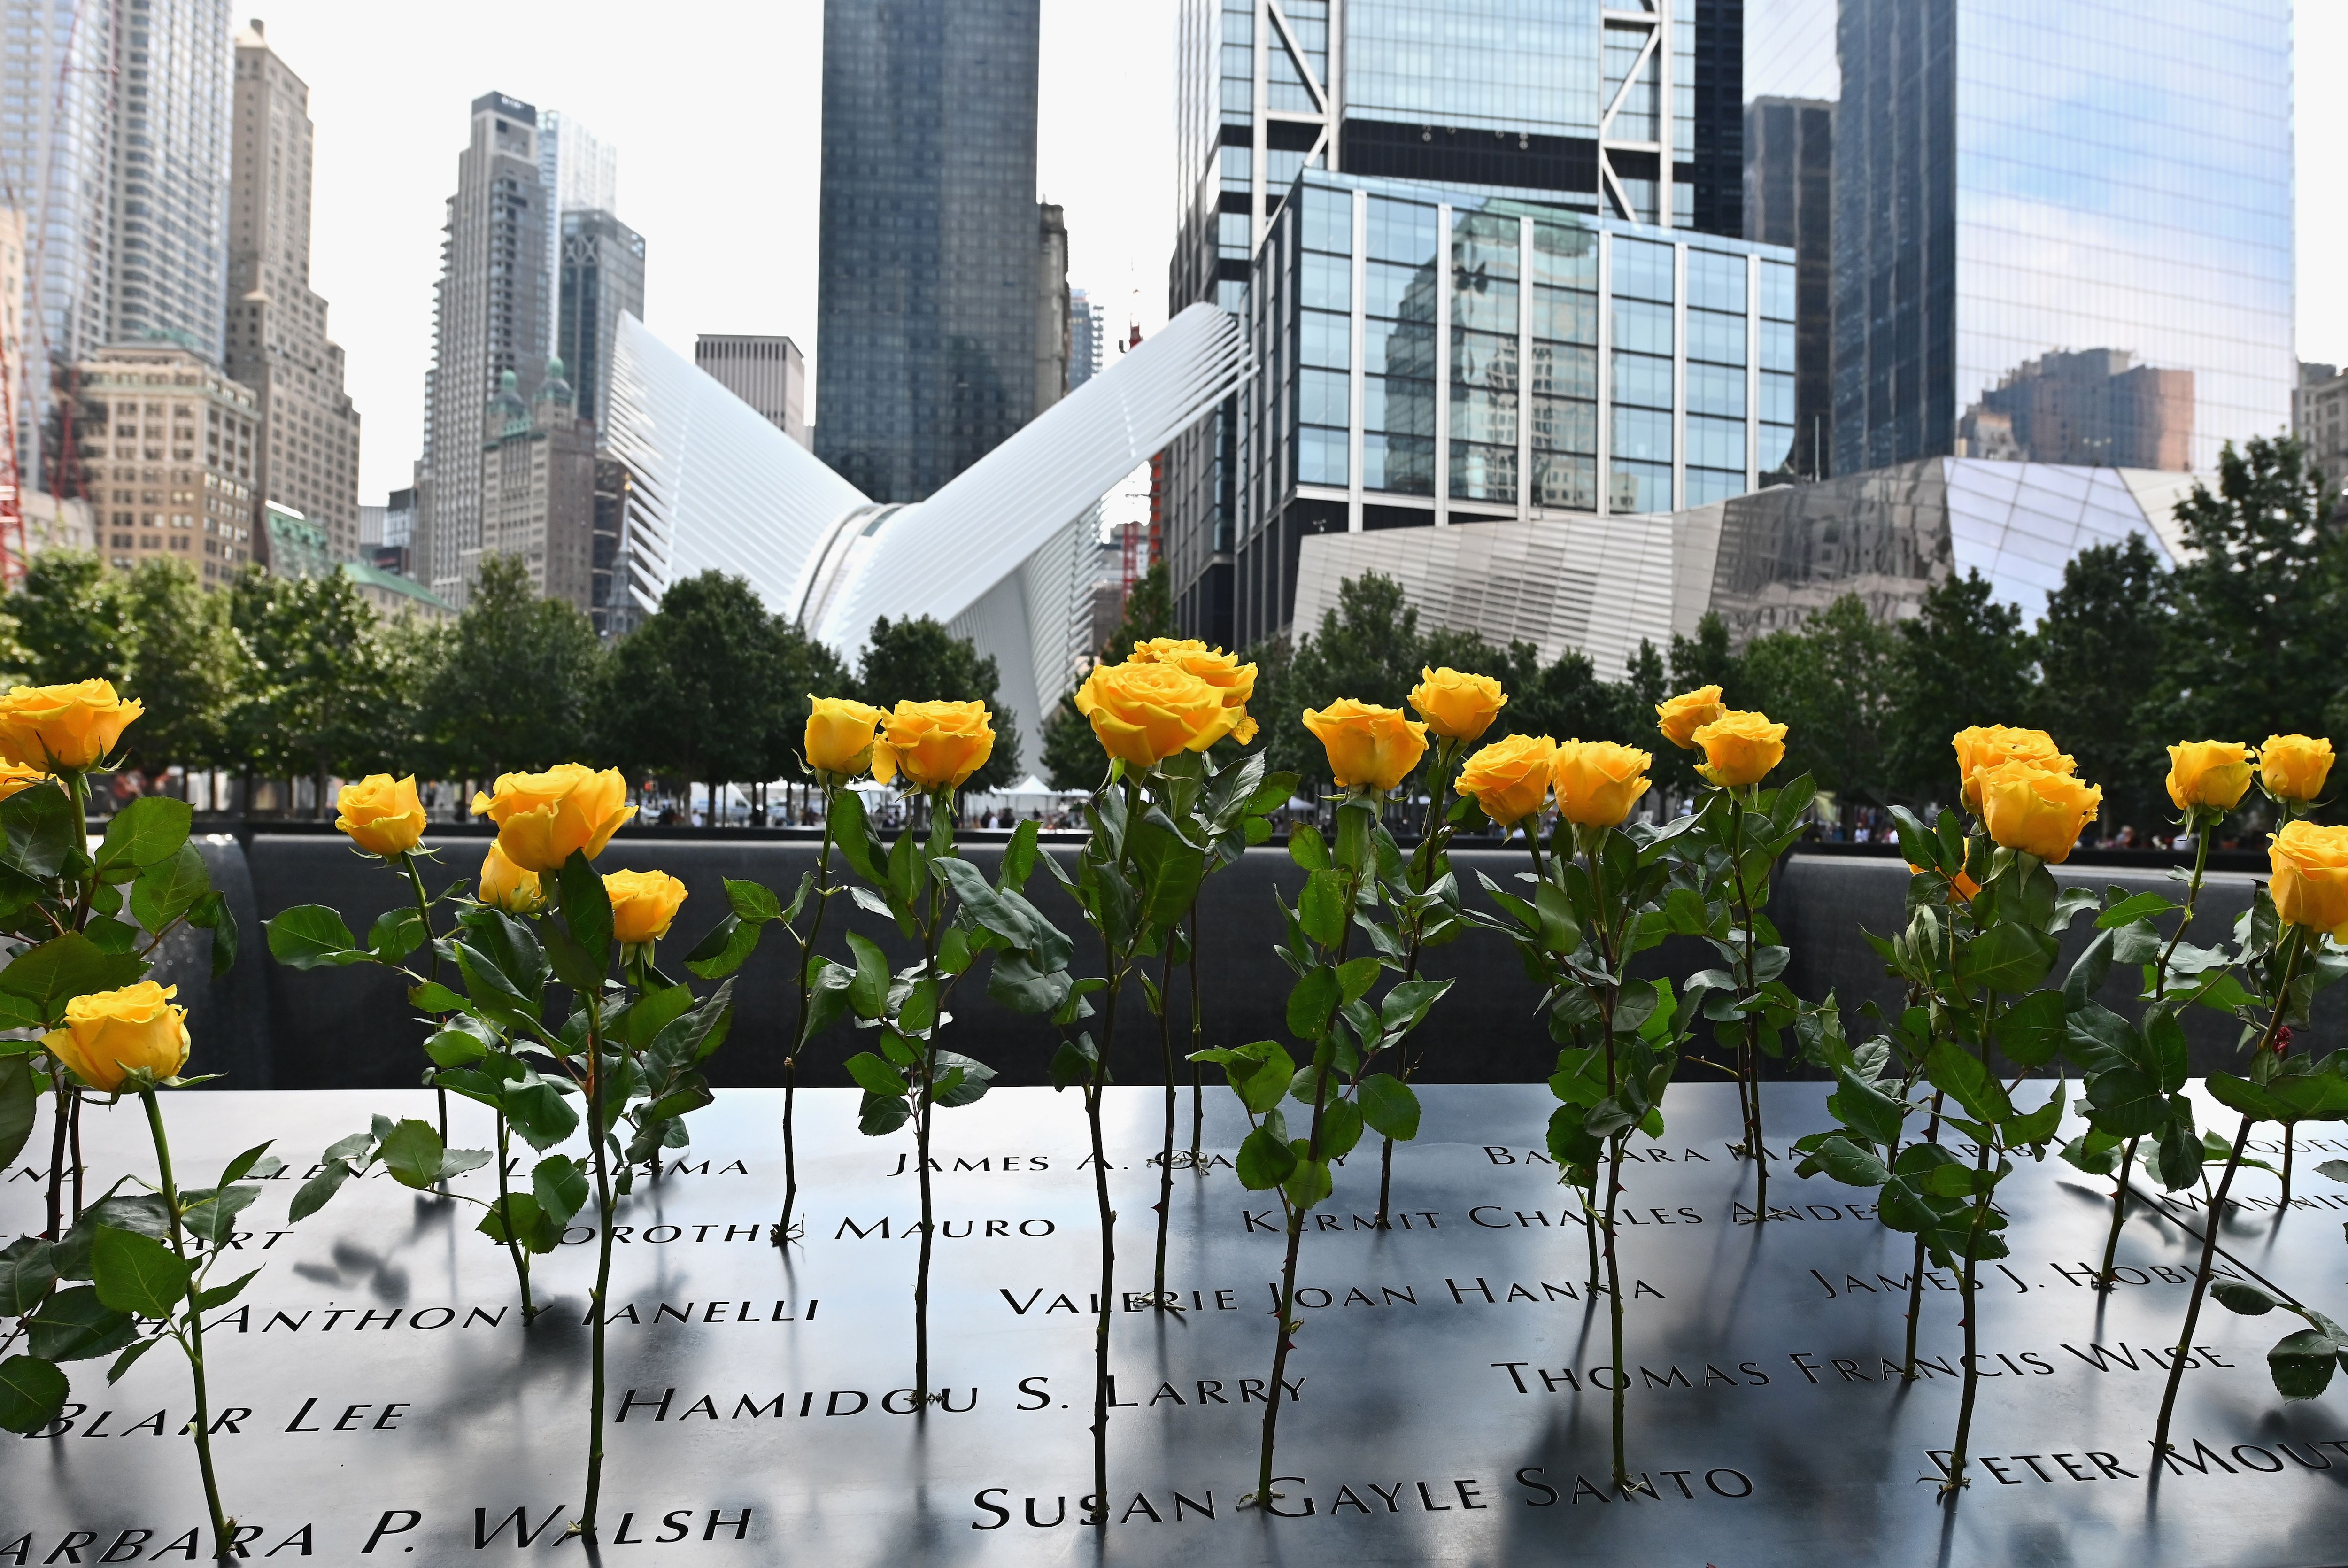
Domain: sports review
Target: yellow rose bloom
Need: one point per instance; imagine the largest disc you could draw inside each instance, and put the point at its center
(2036, 810)
(112, 1034)
(2214, 773)
(935, 745)
(1369, 747)
(381, 816)
(643, 904)
(2311, 876)
(1456, 707)
(839, 735)
(505, 885)
(1683, 715)
(2294, 767)
(1982, 748)
(1739, 748)
(1218, 669)
(1597, 781)
(14, 780)
(541, 817)
(1510, 778)
(1147, 712)
(68, 727)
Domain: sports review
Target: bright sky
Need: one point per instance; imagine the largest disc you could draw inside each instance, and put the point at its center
(716, 110)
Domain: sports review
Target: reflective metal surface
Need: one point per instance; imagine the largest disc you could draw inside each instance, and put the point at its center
(1450, 1375)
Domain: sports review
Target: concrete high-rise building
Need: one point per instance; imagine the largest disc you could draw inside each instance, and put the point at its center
(171, 172)
(2012, 181)
(601, 277)
(489, 317)
(1789, 201)
(165, 444)
(1087, 328)
(929, 294)
(538, 488)
(767, 373)
(1052, 321)
(1628, 114)
(308, 454)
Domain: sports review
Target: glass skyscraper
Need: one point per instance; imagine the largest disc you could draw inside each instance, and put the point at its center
(932, 280)
(2084, 207)
(1629, 114)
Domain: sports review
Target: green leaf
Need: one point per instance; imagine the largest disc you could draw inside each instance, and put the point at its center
(2033, 1029)
(412, 1152)
(221, 1294)
(754, 903)
(74, 1324)
(1311, 1182)
(844, 819)
(1389, 1107)
(1259, 1075)
(2302, 1363)
(869, 994)
(137, 1274)
(19, 1103)
(876, 1077)
(1865, 1110)
(586, 910)
(560, 1186)
(1265, 1160)
(32, 1391)
(1312, 1002)
(1020, 985)
(64, 967)
(149, 829)
(1320, 908)
(455, 1047)
(41, 834)
(2235, 1295)
(211, 914)
(395, 934)
(1959, 1074)
(1355, 978)
(2035, 1127)
(434, 997)
(1074, 1062)
(1560, 932)
(2335, 1169)
(28, 1270)
(169, 889)
(2007, 957)
(1850, 1164)
(213, 1219)
(1341, 1129)
(960, 1080)
(878, 1115)
(727, 948)
(314, 1194)
(2253, 1101)
(518, 1219)
(539, 1111)
(310, 936)
(1306, 848)
(2139, 906)
(2125, 1103)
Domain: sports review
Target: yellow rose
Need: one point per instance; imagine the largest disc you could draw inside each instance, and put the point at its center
(541, 817)
(1597, 781)
(1982, 748)
(13, 780)
(2291, 766)
(1456, 707)
(382, 817)
(839, 735)
(112, 1034)
(1683, 715)
(69, 727)
(643, 904)
(2210, 773)
(1147, 712)
(2035, 810)
(1739, 748)
(1510, 778)
(1218, 669)
(1369, 747)
(505, 885)
(935, 745)
(2311, 876)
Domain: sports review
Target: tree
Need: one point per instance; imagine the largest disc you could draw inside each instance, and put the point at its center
(327, 693)
(802, 668)
(1830, 682)
(2257, 640)
(1963, 660)
(690, 692)
(1706, 659)
(71, 619)
(918, 660)
(1148, 613)
(187, 666)
(514, 688)
(2101, 646)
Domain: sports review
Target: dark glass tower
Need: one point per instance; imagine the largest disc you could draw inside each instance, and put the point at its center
(933, 260)
(602, 276)
(1789, 201)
